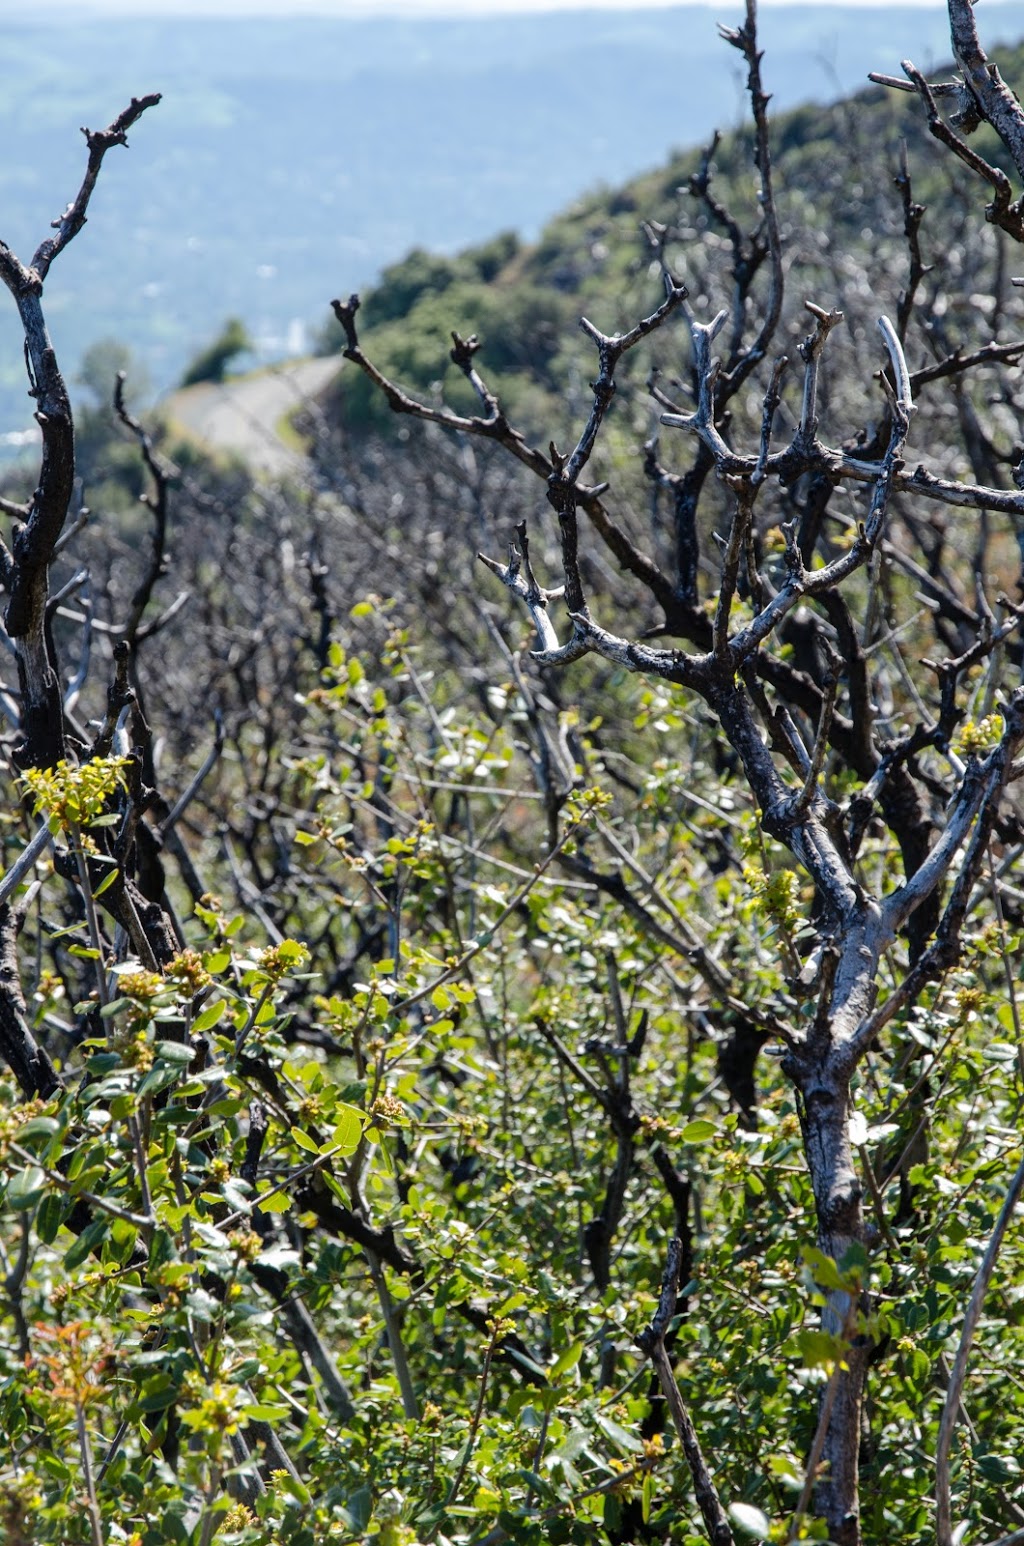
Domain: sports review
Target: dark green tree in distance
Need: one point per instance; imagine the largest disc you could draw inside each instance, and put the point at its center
(212, 363)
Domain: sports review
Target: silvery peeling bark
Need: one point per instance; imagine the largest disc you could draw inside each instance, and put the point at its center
(760, 702)
(821, 1059)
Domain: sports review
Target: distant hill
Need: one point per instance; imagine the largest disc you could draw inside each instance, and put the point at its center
(293, 160)
(842, 225)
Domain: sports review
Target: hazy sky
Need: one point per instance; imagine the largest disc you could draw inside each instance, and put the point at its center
(380, 7)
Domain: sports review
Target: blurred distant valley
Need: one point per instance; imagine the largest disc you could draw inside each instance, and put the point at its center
(290, 161)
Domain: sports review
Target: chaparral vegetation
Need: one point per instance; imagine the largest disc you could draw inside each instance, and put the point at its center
(529, 1050)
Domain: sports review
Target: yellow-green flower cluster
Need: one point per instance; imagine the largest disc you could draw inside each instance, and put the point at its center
(76, 796)
(976, 737)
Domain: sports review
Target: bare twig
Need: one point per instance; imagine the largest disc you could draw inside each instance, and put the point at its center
(42, 720)
(156, 503)
(1002, 211)
(651, 1341)
(951, 1406)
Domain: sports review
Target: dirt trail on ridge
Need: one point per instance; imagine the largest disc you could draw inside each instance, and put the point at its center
(242, 416)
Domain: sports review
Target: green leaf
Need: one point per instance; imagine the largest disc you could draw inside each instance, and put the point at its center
(222, 1108)
(787, 1471)
(102, 1063)
(334, 1186)
(86, 1243)
(266, 1412)
(750, 1520)
(284, 1480)
(818, 1349)
(699, 1131)
(160, 1077)
(348, 1128)
(625, 1443)
(209, 1017)
(38, 1127)
(646, 1496)
(565, 1361)
(108, 880)
(1000, 1469)
(357, 1509)
(823, 1269)
(174, 1052)
(26, 1189)
(304, 1141)
(50, 1217)
(274, 1202)
(55, 1466)
(157, 1393)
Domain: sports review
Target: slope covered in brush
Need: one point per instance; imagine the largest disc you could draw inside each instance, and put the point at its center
(843, 236)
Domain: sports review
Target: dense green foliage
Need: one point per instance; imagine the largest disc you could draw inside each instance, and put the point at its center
(211, 363)
(441, 1056)
(413, 1045)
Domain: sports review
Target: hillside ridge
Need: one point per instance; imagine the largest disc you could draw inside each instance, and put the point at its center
(431, 134)
(524, 300)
